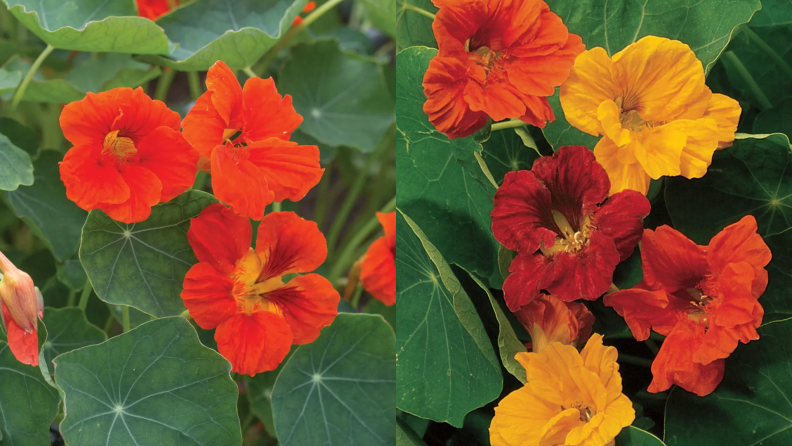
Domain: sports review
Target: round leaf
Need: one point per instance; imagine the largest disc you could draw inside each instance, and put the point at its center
(413, 28)
(632, 436)
(15, 166)
(68, 330)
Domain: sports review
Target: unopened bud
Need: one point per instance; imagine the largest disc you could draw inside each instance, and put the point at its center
(18, 295)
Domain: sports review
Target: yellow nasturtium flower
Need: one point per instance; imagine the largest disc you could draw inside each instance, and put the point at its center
(656, 114)
(571, 398)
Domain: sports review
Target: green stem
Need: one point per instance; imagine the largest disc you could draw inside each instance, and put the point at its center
(249, 72)
(248, 422)
(652, 346)
(356, 297)
(345, 258)
(125, 318)
(276, 206)
(108, 323)
(510, 124)
(86, 294)
(72, 298)
(165, 81)
(752, 85)
(320, 209)
(636, 360)
(20, 91)
(195, 84)
(768, 50)
(200, 180)
(423, 12)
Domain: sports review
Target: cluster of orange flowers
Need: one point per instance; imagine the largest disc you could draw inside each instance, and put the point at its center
(576, 215)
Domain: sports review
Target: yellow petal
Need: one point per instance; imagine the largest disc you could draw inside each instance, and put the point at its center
(618, 415)
(660, 151)
(555, 432)
(608, 114)
(622, 176)
(702, 141)
(521, 418)
(588, 86)
(726, 113)
(601, 360)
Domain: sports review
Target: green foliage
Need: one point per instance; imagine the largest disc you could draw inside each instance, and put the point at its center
(16, 168)
(68, 329)
(633, 436)
(508, 151)
(413, 28)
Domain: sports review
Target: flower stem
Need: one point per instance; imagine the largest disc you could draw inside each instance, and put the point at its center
(165, 81)
(200, 180)
(652, 346)
(20, 91)
(195, 84)
(636, 360)
(125, 318)
(86, 294)
(249, 72)
(510, 124)
(414, 8)
(768, 50)
(356, 297)
(276, 206)
(752, 85)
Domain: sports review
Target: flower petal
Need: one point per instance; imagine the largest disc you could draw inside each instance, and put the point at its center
(220, 237)
(726, 113)
(167, 154)
(645, 309)
(288, 244)
(444, 85)
(622, 176)
(254, 343)
(740, 242)
(522, 217)
(621, 218)
(145, 190)
(140, 115)
(203, 126)
(290, 170)
(587, 274)
(89, 182)
(226, 92)
(588, 86)
(208, 295)
(23, 345)
(239, 183)
(671, 260)
(525, 281)
(378, 272)
(309, 303)
(266, 113)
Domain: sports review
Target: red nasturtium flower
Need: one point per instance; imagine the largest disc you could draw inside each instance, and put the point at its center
(128, 154)
(152, 9)
(497, 58)
(568, 234)
(549, 319)
(240, 290)
(22, 305)
(378, 272)
(243, 136)
(703, 298)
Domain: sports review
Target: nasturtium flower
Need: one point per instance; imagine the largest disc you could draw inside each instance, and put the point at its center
(497, 58)
(378, 271)
(240, 290)
(568, 234)
(656, 114)
(570, 399)
(243, 136)
(22, 306)
(128, 154)
(152, 9)
(703, 298)
(549, 319)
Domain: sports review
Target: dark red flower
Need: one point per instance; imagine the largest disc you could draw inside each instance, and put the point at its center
(569, 235)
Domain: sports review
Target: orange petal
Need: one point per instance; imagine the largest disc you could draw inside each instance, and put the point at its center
(309, 303)
(288, 244)
(23, 345)
(239, 183)
(671, 260)
(291, 170)
(254, 343)
(203, 126)
(388, 222)
(266, 113)
(220, 237)
(740, 242)
(145, 190)
(207, 294)
(379, 271)
(89, 182)
(140, 115)
(226, 92)
(167, 154)
(444, 85)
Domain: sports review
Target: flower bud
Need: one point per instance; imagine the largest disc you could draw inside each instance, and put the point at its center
(21, 305)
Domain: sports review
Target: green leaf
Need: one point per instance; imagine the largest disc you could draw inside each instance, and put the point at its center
(259, 392)
(155, 384)
(751, 405)
(706, 26)
(143, 265)
(44, 207)
(68, 330)
(71, 273)
(20, 135)
(346, 102)
(632, 436)
(775, 120)
(382, 14)
(413, 28)
(508, 151)
(15, 166)
(238, 33)
(406, 436)
(440, 182)
(340, 389)
(446, 368)
(27, 403)
(91, 25)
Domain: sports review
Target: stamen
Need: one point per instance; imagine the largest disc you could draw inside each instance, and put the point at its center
(119, 146)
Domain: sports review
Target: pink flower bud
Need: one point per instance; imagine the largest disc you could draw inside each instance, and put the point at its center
(22, 305)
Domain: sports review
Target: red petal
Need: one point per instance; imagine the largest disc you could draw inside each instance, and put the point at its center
(207, 294)
(525, 281)
(266, 113)
(290, 170)
(740, 242)
(522, 215)
(226, 92)
(288, 244)
(220, 237)
(145, 190)
(388, 222)
(378, 272)
(309, 303)
(90, 182)
(587, 274)
(621, 218)
(254, 343)
(203, 126)
(167, 154)
(444, 86)
(537, 111)
(140, 115)
(239, 183)
(645, 309)
(23, 345)
(672, 260)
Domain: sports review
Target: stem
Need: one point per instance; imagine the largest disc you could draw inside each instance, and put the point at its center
(200, 180)
(636, 360)
(423, 12)
(165, 80)
(510, 124)
(195, 84)
(320, 209)
(72, 297)
(20, 91)
(768, 50)
(125, 318)
(248, 422)
(356, 297)
(294, 30)
(86, 294)
(108, 323)
(652, 346)
(349, 250)
(276, 206)
(249, 72)
(752, 85)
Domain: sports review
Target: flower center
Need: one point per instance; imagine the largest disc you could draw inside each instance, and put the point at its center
(569, 240)
(119, 146)
(231, 134)
(488, 59)
(629, 117)
(586, 412)
(250, 289)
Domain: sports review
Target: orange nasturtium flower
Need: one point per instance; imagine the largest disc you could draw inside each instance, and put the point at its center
(243, 136)
(152, 9)
(657, 115)
(549, 319)
(570, 398)
(22, 305)
(240, 290)
(378, 272)
(703, 298)
(128, 154)
(497, 58)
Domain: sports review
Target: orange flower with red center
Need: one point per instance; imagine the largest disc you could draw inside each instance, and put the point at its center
(497, 58)
(549, 319)
(379, 265)
(703, 298)
(240, 290)
(152, 9)
(128, 154)
(22, 306)
(243, 136)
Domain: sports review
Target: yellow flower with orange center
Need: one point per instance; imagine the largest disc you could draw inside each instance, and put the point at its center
(656, 114)
(571, 398)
